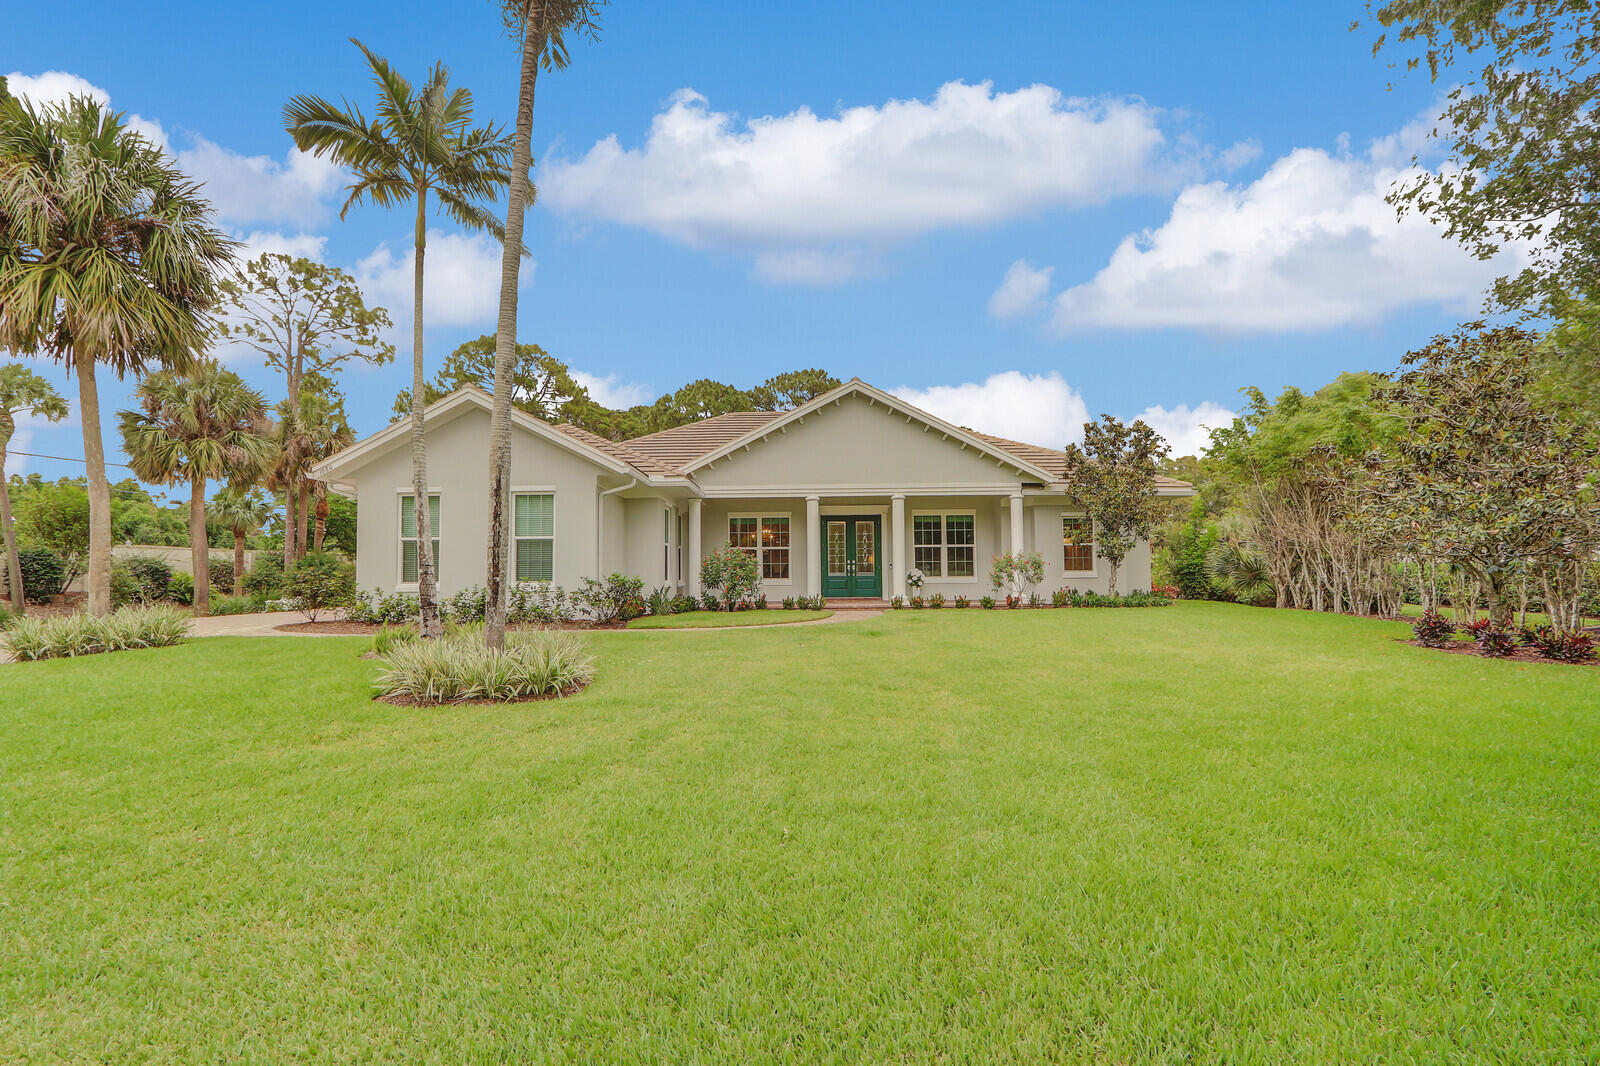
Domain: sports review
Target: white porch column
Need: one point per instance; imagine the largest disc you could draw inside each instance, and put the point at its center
(814, 550)
(1016, 523)
(694, 546)
(897, 546)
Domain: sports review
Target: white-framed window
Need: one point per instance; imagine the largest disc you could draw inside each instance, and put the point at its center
(683, 539)
(944, 544)
(534, 530)
(408, 536)
(666, 544)
(1077, 544)
(766, 537)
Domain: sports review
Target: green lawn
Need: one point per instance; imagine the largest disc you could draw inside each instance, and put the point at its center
(717, 619)
(1196, 834)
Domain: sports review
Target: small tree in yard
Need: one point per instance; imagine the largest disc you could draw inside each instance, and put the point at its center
(319, 583)
(1016, 574)
(1113, 476)
(732, 573)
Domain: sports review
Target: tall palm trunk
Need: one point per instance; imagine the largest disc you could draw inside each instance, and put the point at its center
(199, 548)
(505, 344)
(305, 519)
(290, 522)
(94, 454)
(427, 599)
(322, 517)
(289, 525)
(13, 563)
(238, 561)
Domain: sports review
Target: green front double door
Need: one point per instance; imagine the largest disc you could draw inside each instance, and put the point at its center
(851, 563)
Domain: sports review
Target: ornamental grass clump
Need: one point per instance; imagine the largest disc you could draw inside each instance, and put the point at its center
(457, 668)
(67, 636)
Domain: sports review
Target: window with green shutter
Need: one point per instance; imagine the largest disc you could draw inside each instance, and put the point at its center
(535, 536)
(408, 536)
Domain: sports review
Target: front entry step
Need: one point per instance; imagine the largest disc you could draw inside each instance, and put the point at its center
(854, 604)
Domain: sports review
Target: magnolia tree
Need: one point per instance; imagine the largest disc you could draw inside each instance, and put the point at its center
(1484, 476)
(732, 574)
(1113, 476)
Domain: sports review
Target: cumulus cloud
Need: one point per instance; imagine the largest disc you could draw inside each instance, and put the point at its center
(1035, 408)
(257, 243)
(1311, 244)
(1022, 291)
(56, 86)
(21, 441)
(790, 184)
(258, 188)
(612, 391)
(1186, 428)
(461, 283)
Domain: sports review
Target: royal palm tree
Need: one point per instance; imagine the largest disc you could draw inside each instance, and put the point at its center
(421, 141)
(543, 27)
(107, 256)
(192, 426)
(22, 392)
(244, 511)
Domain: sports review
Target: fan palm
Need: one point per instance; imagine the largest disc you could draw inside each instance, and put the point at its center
(22, 392)
(244, 511)
(1240, 572)
(107, 256)
(421, 141)
(543, 27)
(192, 426)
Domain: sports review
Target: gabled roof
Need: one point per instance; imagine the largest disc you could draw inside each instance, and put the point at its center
(681, 446)
(1055, 461)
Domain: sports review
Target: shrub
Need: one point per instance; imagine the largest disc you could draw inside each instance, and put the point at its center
(1561, 647)
(221, 570)
(388, 638)
(1061, 598)
(1433, 630)
(147, 578)
(458, 667)
(987, 603)
(181, 588)
(962, 602)
(1035, 600)
(66, 636)
(321, 583)
(814, 603)
(659, 601)
(235, 605)
(1169, 591)
(43, 574)
(468, 605)
(1496, 643)
(936, 601)
(381, 609)
(758, 602)
(265, 576)
(616, 599)
(683, 604)
(917, 603)
(897, 603)
(1016, 574)
(6, 617)
(731, 572)
(788, 603)
(709, 602)
(538, 602)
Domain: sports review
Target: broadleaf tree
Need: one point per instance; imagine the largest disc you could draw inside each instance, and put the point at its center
(1113, 476)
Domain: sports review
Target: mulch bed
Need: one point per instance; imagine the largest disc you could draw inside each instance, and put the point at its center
(368, 628)
(1518, 655)
(411, 701)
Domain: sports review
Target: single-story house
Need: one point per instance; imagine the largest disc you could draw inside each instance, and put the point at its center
(839, 497)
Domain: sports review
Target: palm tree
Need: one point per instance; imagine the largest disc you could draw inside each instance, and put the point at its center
(421, 141)
(543, 27)
(22, 392)
(244, 511)
(192, 426)
(107, 255)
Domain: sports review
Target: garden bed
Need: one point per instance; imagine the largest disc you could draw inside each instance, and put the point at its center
(1518, 655)
(336, 627)
(412, 701)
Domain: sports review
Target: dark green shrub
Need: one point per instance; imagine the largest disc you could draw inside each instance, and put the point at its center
(897, 603)
(468, 605)
(43, 574)
(683, 604)
(321, 583)
(987, 603)
(181, 588)
(221, 571)
(659, 601)
(265, 576)
(733, 573)
(147, 577)
(236, 605)
(616, 599)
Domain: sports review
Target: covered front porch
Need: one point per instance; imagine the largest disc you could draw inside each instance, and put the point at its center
(859, 548)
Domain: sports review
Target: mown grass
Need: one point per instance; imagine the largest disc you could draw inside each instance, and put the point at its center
(719, 619)
(1207, 833)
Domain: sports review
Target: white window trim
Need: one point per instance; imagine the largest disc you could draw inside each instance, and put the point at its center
(400, 543)
(511, 522)
(781, 582)
(944, 559)
(1094, 545)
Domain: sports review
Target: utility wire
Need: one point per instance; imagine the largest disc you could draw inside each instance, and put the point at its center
(61, 458)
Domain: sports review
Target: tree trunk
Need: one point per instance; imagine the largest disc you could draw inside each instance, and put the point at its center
(305, 517)
(199, 549)
(505, 344)
(427, 597)
(13, 564)
(1112, 590)
(98, 581)
(322, 517)
(289, 526)
(238, 561)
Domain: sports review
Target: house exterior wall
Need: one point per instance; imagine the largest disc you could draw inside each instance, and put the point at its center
(1044, 522)
(458, 469)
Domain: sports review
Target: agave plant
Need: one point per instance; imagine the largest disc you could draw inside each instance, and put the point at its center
(1240, 572)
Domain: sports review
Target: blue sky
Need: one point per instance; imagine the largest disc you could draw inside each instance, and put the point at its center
(1134, 208)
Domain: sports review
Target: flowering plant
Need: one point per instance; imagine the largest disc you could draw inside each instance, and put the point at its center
(914, 578)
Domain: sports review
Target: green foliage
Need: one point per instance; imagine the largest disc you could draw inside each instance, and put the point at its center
(54, 517)
(1113, 475)
(145, 579)
(67, 636)
(542, 385)
(6, 617)
(181, 588)
(386, 608)
(659, 601)
(732, 573)
(264, 579)
(466, 606)
(987, 603)
(1186, 554)
(389, 637)
(1239, 572)
(683, 604)
(537, 602)
(223, 605)
(1433, 630)
(1560, 647)
(458, 668)
(1017, 574)
(43, 574)
(618, 598)
(320, 583)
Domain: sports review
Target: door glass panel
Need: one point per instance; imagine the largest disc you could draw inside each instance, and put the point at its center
(866, 557)
(837, 545)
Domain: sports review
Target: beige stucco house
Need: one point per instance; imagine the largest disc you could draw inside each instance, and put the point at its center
(840, 497)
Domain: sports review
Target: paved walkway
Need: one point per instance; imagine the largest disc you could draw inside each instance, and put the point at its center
(266, 625)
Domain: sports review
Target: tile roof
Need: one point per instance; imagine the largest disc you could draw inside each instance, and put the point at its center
(619, 450)
(1054, 461)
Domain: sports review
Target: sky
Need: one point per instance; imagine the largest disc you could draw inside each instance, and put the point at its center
(1017, 222)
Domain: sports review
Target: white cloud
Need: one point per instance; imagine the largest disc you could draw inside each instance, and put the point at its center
(1187, 428)
(1022, 291)
(257, 243)
(258, 188)
(20, 441)
(790, 184)
(461, 280)
(56, 86)
(1037, 409)
(815, 266)
(612, 391)
(1311, 244)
